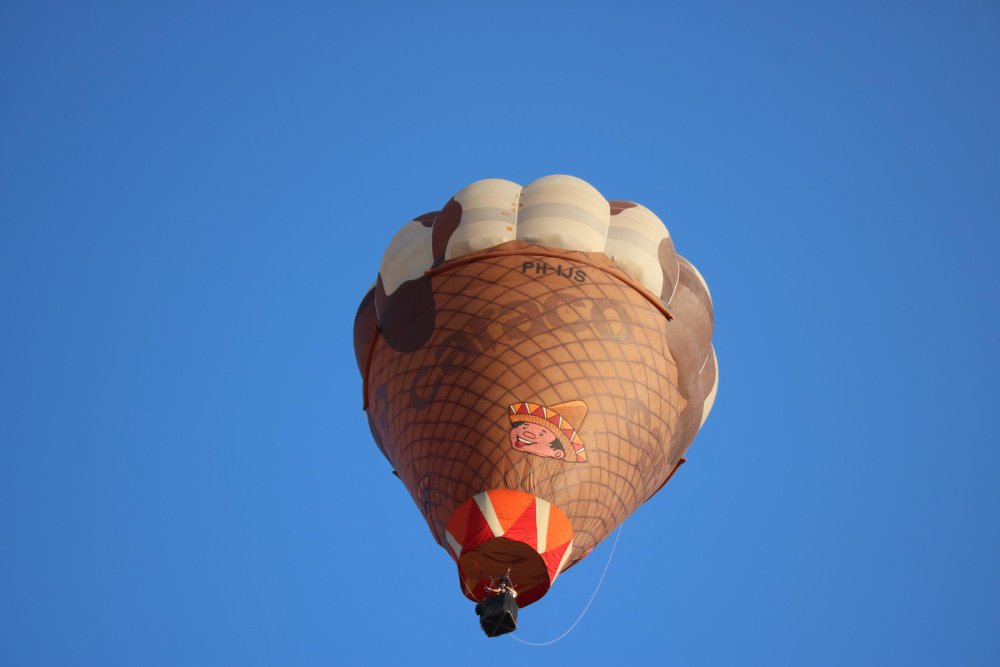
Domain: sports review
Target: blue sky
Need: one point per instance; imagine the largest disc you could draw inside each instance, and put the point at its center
(193, 201)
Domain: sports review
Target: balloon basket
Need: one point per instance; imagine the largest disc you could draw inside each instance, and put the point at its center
(497, 614)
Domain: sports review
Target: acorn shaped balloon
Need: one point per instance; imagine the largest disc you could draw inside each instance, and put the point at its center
(536, 361)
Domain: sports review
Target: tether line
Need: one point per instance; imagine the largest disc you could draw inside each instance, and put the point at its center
(589, 602)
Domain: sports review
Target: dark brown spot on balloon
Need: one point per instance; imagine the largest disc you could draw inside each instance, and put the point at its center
(427, 219)
(376, 438)
(706, 379)
(619, 205)
(365, 329)
(689, 422)
(406, 317)
(669, 267)
(689, 334)
(445, 225)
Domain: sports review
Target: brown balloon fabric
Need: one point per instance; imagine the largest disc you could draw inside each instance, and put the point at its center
(531, 397)
(365, 329)
(690, 337)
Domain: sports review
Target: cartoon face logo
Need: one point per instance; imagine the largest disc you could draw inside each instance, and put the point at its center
(536, 439)
(548, 431)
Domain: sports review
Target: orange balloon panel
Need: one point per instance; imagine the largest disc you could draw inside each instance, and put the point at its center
(531, 369)
(509, 532)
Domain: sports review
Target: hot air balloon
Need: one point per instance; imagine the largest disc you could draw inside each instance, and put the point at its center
(535, 363)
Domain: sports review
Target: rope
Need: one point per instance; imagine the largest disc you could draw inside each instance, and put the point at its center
(589, 602)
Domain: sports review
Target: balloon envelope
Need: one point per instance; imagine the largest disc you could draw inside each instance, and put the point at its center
(536, 361)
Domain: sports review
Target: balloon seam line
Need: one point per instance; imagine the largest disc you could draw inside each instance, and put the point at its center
(461, 261)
